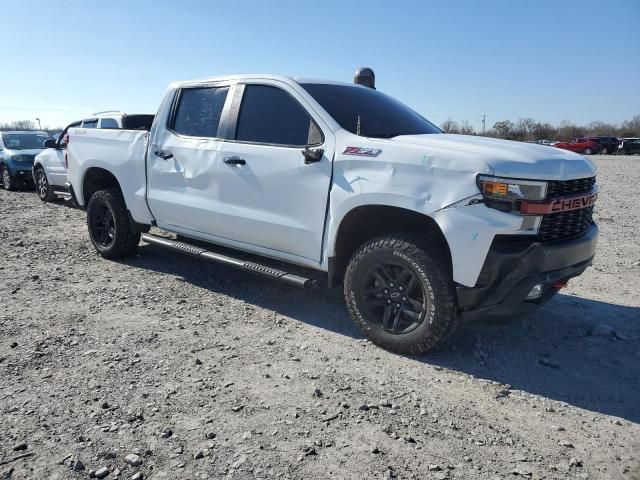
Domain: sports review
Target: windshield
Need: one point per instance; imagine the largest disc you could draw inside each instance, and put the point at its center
(24, 141)
(367, 112)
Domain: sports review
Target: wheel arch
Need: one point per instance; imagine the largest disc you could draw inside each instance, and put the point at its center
(365, 222)
(97, 178)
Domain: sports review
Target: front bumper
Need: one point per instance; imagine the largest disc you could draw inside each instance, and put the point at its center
(21, 171)
(515, 264)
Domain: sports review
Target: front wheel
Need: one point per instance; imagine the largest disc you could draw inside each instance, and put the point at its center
(7, 182)
(45, 192)
(109, 226)
(400, 294)
(587, 151)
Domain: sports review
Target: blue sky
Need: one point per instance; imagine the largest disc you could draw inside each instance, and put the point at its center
(546, 59)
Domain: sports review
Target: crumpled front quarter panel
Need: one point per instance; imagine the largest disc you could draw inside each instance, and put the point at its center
(424, 180)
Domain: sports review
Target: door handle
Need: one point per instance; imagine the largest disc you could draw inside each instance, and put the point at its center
(235, 161)
(163, 154)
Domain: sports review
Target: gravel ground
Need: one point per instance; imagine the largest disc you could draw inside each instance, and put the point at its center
(159, 367)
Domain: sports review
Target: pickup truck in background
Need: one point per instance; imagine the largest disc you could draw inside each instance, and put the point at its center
(50, 166)
(424, 229)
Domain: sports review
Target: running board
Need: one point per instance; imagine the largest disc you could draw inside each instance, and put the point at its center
(203, 254)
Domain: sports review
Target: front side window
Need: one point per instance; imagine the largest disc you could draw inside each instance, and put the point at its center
(367, 112)
(90, 124)
(270, 115)
(199, 110)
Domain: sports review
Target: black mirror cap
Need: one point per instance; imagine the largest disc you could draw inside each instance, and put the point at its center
(365, 76)
(50, 143)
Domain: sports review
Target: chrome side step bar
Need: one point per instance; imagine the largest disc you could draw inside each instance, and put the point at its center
(201, 253)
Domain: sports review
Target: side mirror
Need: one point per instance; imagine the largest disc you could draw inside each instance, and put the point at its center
(312, 155)
(50, 143)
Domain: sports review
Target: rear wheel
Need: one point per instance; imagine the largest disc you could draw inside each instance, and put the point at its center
(587, 151)
(400, 294)
(7, 181)
(44, 190)
(109, 226)
(604, 151)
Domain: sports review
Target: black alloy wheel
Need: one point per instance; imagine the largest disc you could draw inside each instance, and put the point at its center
(394, 298)
(102, 227)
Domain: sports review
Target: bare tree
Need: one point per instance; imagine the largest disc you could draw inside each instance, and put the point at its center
(504, 128)
(450, 126)
(568, 130)
(631, 128)
(24, 125)
(543, 131)
(466, 128)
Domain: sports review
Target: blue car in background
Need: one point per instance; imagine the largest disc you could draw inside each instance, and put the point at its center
(17, 151)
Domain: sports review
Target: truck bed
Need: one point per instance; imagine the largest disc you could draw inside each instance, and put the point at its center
(123, 151)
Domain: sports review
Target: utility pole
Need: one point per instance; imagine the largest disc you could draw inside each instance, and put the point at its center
(484, 119)
(39, 124)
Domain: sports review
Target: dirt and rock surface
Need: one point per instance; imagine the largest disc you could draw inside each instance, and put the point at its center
(159, 367)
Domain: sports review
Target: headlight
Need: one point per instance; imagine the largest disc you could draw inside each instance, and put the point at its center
(16, 158)
(505, 194)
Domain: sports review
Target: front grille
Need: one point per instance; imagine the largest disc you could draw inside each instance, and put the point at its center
(565, 225)
(570, 187)
(25, 158)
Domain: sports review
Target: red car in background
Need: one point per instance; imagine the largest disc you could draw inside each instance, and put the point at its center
(580, 145)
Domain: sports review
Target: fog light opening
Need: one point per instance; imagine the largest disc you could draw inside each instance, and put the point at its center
(560, 284)
(536, 292)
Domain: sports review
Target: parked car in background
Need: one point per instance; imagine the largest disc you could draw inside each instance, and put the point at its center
(544, 142)
(17, 152)
(629, 146)
(50, 166)
(580, 145)
(607, 144)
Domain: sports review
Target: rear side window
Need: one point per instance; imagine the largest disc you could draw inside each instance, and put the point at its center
(108, 123)
(199, 110)
(270, 115)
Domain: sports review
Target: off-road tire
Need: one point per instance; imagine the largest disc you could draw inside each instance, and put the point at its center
(424, 259)
(43, 187)
(7, 182)
(125, 239)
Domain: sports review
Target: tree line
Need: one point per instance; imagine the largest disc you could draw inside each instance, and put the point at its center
(26, 125)
(523, 129)
(528, 129)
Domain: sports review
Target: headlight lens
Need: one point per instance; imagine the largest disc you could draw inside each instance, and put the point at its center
(504, 194)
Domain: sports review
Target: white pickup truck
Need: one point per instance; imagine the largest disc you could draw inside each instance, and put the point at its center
(424, 229)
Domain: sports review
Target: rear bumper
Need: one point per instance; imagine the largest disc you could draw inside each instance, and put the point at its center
(514, 265)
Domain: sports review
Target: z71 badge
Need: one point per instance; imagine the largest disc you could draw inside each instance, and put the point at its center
(362, 152)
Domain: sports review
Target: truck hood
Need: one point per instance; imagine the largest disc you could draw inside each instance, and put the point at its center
(503, 158)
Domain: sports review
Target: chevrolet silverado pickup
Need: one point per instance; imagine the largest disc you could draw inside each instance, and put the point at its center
(423, 229)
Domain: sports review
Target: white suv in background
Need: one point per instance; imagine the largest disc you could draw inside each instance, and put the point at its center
(50, 166)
